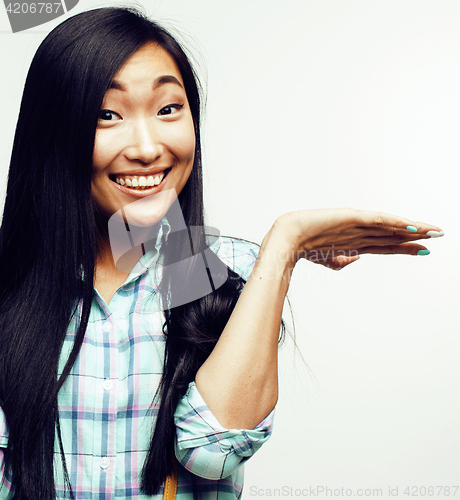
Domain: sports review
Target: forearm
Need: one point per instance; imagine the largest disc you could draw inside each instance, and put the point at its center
(239, 380)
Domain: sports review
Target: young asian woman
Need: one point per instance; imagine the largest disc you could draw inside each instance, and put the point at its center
(112, 100)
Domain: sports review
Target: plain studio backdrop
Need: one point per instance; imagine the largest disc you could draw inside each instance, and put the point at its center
(331, 103)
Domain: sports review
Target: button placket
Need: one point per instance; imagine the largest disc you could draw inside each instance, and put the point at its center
(109, 372)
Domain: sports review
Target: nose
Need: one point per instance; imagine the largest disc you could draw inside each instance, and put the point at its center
(144, 142)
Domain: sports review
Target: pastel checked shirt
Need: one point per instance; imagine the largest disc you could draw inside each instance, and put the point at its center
(106, 410)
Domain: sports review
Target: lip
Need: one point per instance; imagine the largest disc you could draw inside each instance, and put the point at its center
(142, 193)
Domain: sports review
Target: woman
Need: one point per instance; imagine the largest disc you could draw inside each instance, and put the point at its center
(110, 119)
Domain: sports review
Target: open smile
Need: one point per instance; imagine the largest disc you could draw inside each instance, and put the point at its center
(137, 183)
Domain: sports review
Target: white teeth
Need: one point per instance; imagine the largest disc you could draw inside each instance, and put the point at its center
(141, 182)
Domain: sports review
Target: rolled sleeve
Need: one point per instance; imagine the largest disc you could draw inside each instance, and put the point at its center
(6, 488)
(3, 430)
(207, 449)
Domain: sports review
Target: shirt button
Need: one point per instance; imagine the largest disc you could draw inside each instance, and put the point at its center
(107, 384)
(106, 326)
(104, 463)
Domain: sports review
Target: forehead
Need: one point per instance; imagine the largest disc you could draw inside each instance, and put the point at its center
(147, 64)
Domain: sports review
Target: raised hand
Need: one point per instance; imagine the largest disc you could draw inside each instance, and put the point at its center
(336, 237)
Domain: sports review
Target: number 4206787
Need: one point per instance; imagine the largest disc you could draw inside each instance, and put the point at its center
(32, 8)
(421, 491)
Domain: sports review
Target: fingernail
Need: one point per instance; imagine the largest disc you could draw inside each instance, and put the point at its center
(411, 228)
(423, 252)
(435, 234)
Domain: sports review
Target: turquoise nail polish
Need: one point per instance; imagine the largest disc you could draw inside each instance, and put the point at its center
(411, 228)
(423, 252)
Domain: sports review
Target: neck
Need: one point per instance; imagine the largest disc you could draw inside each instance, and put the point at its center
(108, 277)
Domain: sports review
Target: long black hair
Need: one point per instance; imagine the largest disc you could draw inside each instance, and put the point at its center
(50, 232)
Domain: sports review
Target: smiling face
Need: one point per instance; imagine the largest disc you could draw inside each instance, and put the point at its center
(145, 138)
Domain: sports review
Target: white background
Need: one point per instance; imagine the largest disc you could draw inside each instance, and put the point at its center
(331, 103)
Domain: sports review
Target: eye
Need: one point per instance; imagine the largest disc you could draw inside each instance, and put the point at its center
(107, 115)
(170, 109)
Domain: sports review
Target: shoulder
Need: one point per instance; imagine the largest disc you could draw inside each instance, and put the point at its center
(239, 255)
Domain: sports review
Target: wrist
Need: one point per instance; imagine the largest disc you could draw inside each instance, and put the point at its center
(278, 254)
(283, 238)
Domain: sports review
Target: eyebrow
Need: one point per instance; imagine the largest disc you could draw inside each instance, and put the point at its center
(161, 80)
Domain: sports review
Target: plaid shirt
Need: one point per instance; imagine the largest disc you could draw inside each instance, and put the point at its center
(106, 410)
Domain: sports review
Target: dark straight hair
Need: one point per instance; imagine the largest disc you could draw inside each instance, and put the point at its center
(49, 233)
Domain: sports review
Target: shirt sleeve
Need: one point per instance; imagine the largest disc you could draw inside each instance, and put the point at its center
(239, 255)
(3, 430)
(207, 449)
(6, 488)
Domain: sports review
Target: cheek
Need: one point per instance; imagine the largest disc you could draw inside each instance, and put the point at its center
(191, 143)
(101, 153)
(183, 142)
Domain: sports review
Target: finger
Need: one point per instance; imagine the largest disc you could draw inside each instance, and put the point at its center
(354, 243)
(397, 239)
(430, 231)
(402, 249)
(421, 231)
(395, 223)
(390, 231)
